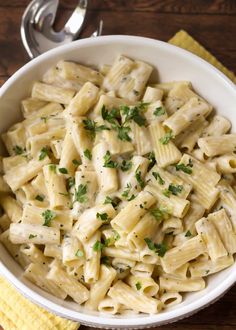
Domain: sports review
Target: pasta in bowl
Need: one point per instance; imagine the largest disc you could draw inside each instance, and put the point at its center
(118, 191)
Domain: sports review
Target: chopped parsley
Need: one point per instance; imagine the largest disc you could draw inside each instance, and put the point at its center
(70, 182)
(98, 246)
(79, 253)
(158, 177)
(88, 154)
(138, 177)
(116, 235)
(105, 261)
(123, 133)
(102, 216)
(40, 198)
(48, 216)
(76, 162)
(91, 126)
(188, 234)
(152, 160)
(32, 236)
(113, 201)
(166, 193)
(185, 168)
(159, 249)
(175, 189)
(53, 168)
(108, 162)
(138, 285)
(135, 113)
(159, 111)
(126, 192)
(80, 193)
(18, 150)
(126, 165)
(63, 170)
(159, 213)
(166, 138)
(112, 116)
(44, 153)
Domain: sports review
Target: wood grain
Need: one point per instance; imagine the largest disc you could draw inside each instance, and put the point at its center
(211, 22)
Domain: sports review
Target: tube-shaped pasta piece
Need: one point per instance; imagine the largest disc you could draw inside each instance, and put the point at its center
(11, 207)
(146, 227)
(120, 253)
(167, 87)
(176, 285)
(141, 139)
(178, 93)
(218, 126)
(155, 111)
(4, 188)
(21, 174)
(93, 255)
(56, 187)
(133, 212)
(202, 179)
(37, 274)
(165, 153)
(226, 163)
(217, 145)
(210, 236)
(35, 215)
(176, 206)
(116, 146)
(109, 102)
(51, 93)
(228, 201)
(99, 289)
(53, 251)
(72, 251)
(73, 288)
(69, 153)
(34, 254)
(29, 233)
(145, 285)
(170, 299)
(172, 225)
(203, 268)
(179, 255)
(15, 138)
(83, 100)
(152, 94)
(92, 219)
(79, 73)
(224, 227)
(107, 177)
(30, 105)
(9, 162)
(129, 297)
(108, 306)
(4, 222)
(56, 147)
(189, 112)
(141, 269)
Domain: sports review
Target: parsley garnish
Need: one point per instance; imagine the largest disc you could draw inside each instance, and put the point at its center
(108, 162)
(40, 198)
(70, 182)
(188, 234)
(175, 189)
(91, 126)
(166, 193)
(43, 153)
(138, 285)
(76, 162)
(18, 150)
(88, 154)
(159, 111)
(159, 249)
(158, 177)
(79, 253)
(166, 138)
(152, 160)
(123, 133)
(63, 170)
(126, 165)
(126, 192)
(80, 193)
(105, 261)
(102, 216)
(48, 216)
(32, 236)
(134, 113)
(111, 116)
(116, 235)
(98, 246)
(185, 168)
(113, 201)
(138, 177)
(159, 213)
(52, 167)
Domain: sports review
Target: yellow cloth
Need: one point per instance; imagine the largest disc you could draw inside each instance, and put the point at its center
(18, 313)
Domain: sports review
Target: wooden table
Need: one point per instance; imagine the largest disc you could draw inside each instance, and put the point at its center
(211, 22)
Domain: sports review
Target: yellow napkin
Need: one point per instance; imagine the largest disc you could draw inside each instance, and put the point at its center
(18, 313)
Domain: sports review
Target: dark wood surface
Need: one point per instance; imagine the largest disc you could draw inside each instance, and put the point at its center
(211, 22)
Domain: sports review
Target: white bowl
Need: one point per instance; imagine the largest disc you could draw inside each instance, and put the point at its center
(171, 63)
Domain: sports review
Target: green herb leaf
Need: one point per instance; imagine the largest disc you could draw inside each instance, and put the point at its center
(159, 111)
(44, 118)
(102, 216)
(53, 168)
(44, 152)
(138, 177)
(175, 189)
(79, 253)
(185, 168)
(159, 249)
(48, 216)
(126, 165)
(108, 162)
(166, 138)
(116, 235)
(63, 170)
(113, 201)
(76, 162)
(32, 236)
(138, 285)
(88, 154)
(158, 177)
(159, 213)
(80, 193)
(166, 193)
(134, 113)
(188, 234)
(152, 160)
(105, 261)
(112, 116)
(70, 182)
(91, 126)
(131, 198)
(40, 198)
(126, 192)
(18, 150)
(123, 133)
(98, 246)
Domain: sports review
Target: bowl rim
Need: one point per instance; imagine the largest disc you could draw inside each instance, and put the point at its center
(102, 320)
